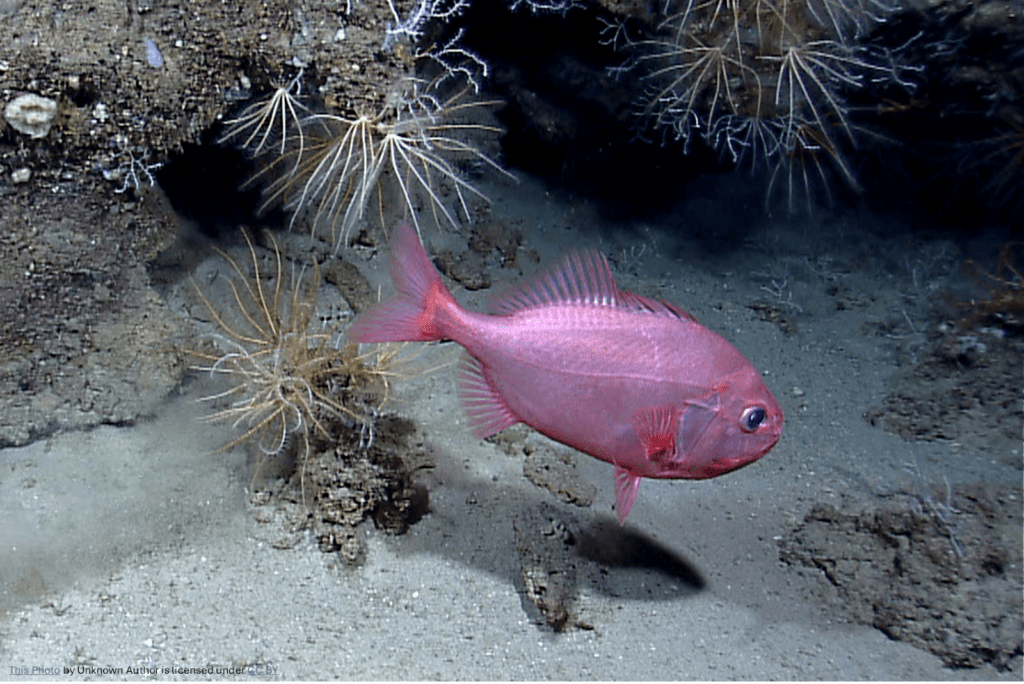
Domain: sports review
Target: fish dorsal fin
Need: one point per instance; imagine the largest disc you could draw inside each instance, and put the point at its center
(581, 277)
(655, 306)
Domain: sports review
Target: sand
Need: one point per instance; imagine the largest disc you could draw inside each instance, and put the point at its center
(136, 547)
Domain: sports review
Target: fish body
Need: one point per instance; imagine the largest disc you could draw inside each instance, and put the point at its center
(633, 381)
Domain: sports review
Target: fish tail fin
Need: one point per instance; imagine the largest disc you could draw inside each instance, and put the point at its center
(415, 313)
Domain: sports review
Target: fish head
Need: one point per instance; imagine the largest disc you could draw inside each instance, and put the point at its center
(738, 423)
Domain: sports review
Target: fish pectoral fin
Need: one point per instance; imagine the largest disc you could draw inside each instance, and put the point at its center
(656, 427)
(626, 485)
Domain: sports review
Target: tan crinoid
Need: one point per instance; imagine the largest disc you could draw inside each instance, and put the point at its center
(288, 377)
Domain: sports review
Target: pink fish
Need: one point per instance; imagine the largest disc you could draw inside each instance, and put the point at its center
(629, 380)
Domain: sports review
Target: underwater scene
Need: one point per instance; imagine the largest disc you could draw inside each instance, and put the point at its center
(512, 339)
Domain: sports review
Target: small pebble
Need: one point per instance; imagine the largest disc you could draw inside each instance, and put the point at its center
(153, 56)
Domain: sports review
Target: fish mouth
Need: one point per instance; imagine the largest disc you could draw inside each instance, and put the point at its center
(769, 446)
(737, 463)
(726, 465)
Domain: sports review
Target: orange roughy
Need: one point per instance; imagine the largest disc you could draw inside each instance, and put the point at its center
(629, 380)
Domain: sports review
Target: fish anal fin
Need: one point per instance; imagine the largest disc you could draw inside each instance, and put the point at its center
(656, 426)
(626, 486)
(487, 412)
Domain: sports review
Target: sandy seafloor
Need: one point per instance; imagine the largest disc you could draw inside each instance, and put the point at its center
(135, 547)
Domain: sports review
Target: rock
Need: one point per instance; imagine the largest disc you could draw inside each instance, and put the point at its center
(31, 114)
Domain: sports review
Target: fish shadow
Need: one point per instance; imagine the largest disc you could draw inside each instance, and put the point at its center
(563, 554)
(611, 545)
(556, 554)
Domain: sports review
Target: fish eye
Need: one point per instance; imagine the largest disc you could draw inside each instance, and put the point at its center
(752, 417)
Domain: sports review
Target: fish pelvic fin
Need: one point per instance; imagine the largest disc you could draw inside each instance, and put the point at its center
(487, 412)
(416, 312)
(626, 486)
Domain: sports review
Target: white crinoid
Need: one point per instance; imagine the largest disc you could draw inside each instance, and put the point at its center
(271, 122)
(329, 166)
(765, 81)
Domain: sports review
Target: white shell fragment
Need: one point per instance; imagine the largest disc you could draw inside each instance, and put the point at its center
(31, 114)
